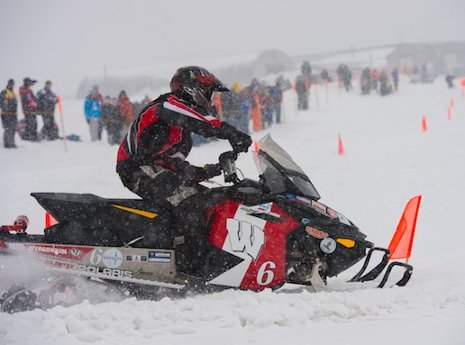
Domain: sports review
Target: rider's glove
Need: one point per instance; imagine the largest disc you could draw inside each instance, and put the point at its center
(239, 141)
(212, 170)
(199, 174)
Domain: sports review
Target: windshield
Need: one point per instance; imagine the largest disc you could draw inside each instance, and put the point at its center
(280, 173)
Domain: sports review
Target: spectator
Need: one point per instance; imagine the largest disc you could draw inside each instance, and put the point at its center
(245, 104)
(255, 105)
(365, 81)
(46, 100)
(93, 113)
(9, 111)
(138, 106)
(266, 105)
(345, 76)
(385, 86)
(125, 109)
(325, 76)
(283, 84)
(231, 106)
(450, 81)
(374, 79)
(276, 95)
(112, 120)
(306, 69)
(302, 92)
(395, 78)
(29, 104)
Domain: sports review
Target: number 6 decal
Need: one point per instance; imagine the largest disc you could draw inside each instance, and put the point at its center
(265, 275)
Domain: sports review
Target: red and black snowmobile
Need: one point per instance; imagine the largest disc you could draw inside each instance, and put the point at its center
(259, 234)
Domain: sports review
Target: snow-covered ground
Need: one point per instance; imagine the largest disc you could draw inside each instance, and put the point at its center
(388, 160)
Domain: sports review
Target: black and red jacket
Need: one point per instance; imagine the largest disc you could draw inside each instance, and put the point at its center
(161, 135)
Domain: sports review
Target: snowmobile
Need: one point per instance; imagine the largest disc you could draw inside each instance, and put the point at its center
(258, 234)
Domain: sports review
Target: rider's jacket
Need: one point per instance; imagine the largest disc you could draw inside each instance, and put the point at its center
(161, 135)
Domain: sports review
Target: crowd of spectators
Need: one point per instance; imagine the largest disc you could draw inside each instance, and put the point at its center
(114, 114)
(379, 81)
(251, 108)
(43, 104)
(254, 107)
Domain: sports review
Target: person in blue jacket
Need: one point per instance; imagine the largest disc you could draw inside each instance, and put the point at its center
(93, 113)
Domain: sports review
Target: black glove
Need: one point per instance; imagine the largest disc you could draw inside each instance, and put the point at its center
(212, 170)
(239, 141)
(194, 173)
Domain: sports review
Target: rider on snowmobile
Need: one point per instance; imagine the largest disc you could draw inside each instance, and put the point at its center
(151, 158)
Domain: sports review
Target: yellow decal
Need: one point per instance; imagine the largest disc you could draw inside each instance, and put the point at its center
(346, 242)
(136, 211)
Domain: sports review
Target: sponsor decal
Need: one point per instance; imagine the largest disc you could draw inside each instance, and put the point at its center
(343, 219)
(304, 200)
(331, 212)
(75, 252)
(305, 221)
(319, 207)
(245, 237)
(316, 233)
(262, 208)
(159, 256)
(60, 264)
(60, 251)
(111, 272)
(328, 245)
(48, 250)
(112, 258)
(136, 258)
(144, 274)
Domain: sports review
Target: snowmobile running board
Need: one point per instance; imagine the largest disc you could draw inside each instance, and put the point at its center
(378, 269)
(119, 279)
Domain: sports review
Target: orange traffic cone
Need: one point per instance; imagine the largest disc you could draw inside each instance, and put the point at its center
(424, 126)
(340, 146)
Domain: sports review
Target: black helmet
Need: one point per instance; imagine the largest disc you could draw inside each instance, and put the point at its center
(196, 85)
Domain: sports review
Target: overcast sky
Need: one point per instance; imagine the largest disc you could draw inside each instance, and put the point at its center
(63, 40)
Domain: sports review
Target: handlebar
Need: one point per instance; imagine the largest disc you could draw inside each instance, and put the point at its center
(227, 161)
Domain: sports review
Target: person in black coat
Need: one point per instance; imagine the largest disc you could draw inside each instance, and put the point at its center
(9, 111)
(46, 101)
(112, 120)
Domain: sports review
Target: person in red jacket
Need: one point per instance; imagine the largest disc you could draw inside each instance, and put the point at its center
(126, 109)
(151, 160)
(30, 107)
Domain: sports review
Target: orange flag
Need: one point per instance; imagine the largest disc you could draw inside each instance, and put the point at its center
(340, 145)
(60, 105)
(402, 241)
(49, 220)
